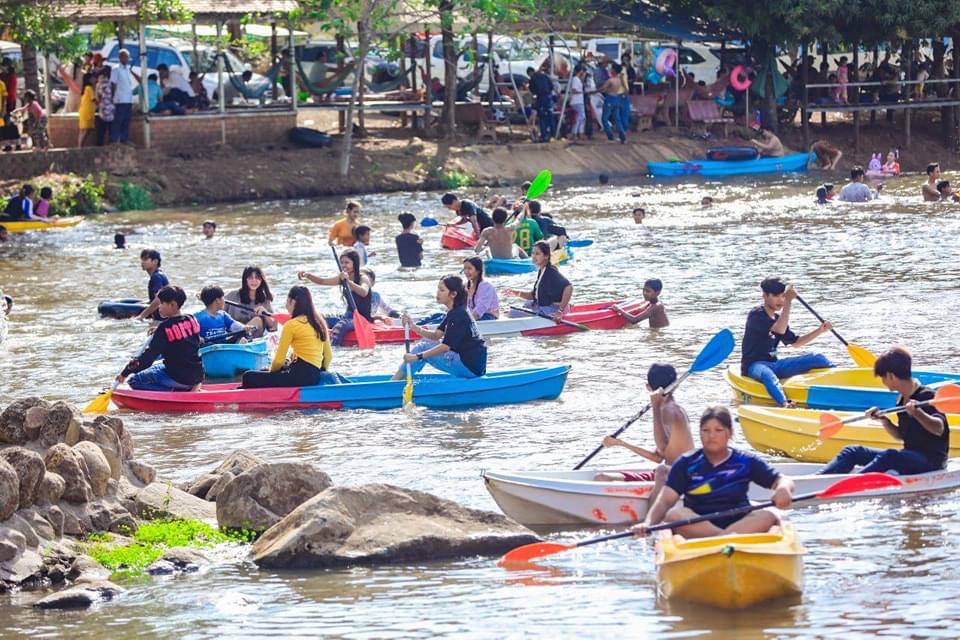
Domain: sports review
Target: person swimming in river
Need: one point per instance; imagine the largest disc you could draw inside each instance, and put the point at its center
(638, 215)
(825, 193)
(947, 194)
(652, 309)
(671, 434)
(499, 238)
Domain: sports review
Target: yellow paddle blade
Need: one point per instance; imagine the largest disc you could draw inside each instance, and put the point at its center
(861, 356)
(100, 404)
(408, 392)
(830, 425)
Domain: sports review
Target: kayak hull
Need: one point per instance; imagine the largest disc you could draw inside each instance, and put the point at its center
(573, 498)
(724, 168)
(793, 433)
(501, 266)
(845, 389)
(597, 316)
(730, 572)
(439, 391)
(454, 238)
(121, 309)
(228, 361)
(22, 226)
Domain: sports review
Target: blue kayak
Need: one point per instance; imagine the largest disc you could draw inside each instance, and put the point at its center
(722, 168)
(436, 391)
(579, 243)
(228, 361)
(501, 266)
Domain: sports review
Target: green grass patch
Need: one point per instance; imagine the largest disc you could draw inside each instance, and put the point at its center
(133, 197)
(132, 557)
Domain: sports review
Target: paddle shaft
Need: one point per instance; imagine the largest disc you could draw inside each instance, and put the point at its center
(682, 523)
(246, 308)
(346, 287)
(406, 348)
(820, 318)
(633, 419)
(223, 338)
(575, 325)
(883, 412)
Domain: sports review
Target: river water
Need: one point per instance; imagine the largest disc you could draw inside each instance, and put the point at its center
(884, 273)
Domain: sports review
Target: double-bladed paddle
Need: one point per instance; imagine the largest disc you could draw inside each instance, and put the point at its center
(712, 354)
(946, 399)
(860, 355)
(408, 388)
(575, 325)
(860, 483)
(537, 188)
(361, 326)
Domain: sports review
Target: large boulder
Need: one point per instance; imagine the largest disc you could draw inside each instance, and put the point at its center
(51, 489)
(13, 420)
(105, 436)
(80, 596)
(380, 523)
(142, 471)
(69, 465)
(259, 498)
(29, 467)
(9, 490)
(96, 465)
(163, 500)
(237, 462)
(35, 417)
(60, 419)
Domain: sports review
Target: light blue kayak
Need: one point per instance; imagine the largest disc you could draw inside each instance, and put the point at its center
(500, 266)
(723, 168)
(228, 361)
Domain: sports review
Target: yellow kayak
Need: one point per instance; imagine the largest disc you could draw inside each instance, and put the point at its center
(20, 226)
(793, 433)
(847, 389)
(730, 572)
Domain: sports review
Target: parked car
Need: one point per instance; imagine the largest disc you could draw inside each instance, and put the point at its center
(178, 54)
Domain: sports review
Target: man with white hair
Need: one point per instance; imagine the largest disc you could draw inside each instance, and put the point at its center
(121, 79)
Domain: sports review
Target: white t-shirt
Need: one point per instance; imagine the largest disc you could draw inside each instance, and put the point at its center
(576, 91)
(176, 81)
(121, 77)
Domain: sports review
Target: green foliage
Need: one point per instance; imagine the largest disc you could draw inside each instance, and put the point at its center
(100, 536)
(133, 197)
(132, 557)
(79, 196)
(179, 533)
(453, 179)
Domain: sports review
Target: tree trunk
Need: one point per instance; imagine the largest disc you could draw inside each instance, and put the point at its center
(761, 51)
(938, 72)
(31, 71)
(450, 70)
(359, 70)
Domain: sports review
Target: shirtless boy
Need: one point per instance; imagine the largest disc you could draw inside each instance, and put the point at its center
(929, 189)
(499, 238)
(653, 309)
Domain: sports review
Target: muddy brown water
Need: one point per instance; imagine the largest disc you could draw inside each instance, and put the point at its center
(884, 273)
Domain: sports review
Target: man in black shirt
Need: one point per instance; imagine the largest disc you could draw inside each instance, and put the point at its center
(467, 210)
(767, 326)
(541, 86)
(922, 429)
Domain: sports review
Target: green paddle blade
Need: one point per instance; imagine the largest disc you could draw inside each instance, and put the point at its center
(539, 185)
(715, 351)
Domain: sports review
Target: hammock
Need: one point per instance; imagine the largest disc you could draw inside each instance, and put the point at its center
(464, 85)
(243, 89)
(329, 85)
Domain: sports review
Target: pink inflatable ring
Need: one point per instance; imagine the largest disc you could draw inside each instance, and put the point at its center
(665, 63)
(739, 78)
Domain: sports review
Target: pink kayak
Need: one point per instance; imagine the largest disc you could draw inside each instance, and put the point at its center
(454, 238)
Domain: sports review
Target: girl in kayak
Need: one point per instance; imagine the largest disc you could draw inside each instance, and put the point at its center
(715, 478)
(350, 276)
(482, 300)
(252, 302)
(551, 292)
(454, 347)
(307, 334)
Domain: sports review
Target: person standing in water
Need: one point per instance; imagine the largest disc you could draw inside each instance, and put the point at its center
(652, 309)
(929, 188)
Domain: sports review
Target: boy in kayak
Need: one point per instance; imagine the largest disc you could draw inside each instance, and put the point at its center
(553, 233)
(767, 326)
(652, 310)
(150, 262)
(715, 478)
(527, 231)
(214, 321)
(499, 238)
(923, 430)
(467, 211)
(671, 433)
(177, 339)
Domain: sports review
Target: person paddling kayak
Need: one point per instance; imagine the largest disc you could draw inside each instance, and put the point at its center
(467, 211)
(671, 433)
(924, 431)
(177, 339)
(308, 336)
(360, 286)
(455, 346)
(551, 291)
(767, 326)
(253, 301)
(715, 478)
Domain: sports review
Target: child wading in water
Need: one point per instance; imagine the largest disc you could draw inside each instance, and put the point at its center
(409, 244)
(653, 309)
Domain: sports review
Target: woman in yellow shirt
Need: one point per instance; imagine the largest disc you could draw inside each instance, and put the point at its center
(307, 334)
(87, 112)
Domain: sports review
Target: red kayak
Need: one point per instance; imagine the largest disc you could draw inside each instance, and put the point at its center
(454, 238)
(598, 315)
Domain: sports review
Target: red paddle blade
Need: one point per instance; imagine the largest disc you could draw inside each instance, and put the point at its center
(830, 425)
(281, 318)
(859, 484)
(528, 552)
(364, 331)
(947, 398)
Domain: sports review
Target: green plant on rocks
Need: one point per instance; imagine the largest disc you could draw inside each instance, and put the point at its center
(452, 179)
(80, 196)
(133, 197)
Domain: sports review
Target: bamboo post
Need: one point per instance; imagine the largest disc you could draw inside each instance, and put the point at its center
(361, 68)
(805, 94)
(676, 93)
(273, 53)
(855, 97)
(293, 69)
(427, 65)
(823, 58)
(341, 54)
(144, 99)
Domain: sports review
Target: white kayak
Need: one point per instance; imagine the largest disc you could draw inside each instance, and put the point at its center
(564, 498)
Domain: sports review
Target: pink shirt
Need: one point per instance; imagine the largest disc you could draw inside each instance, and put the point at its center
(485, 300)
(43, 208)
